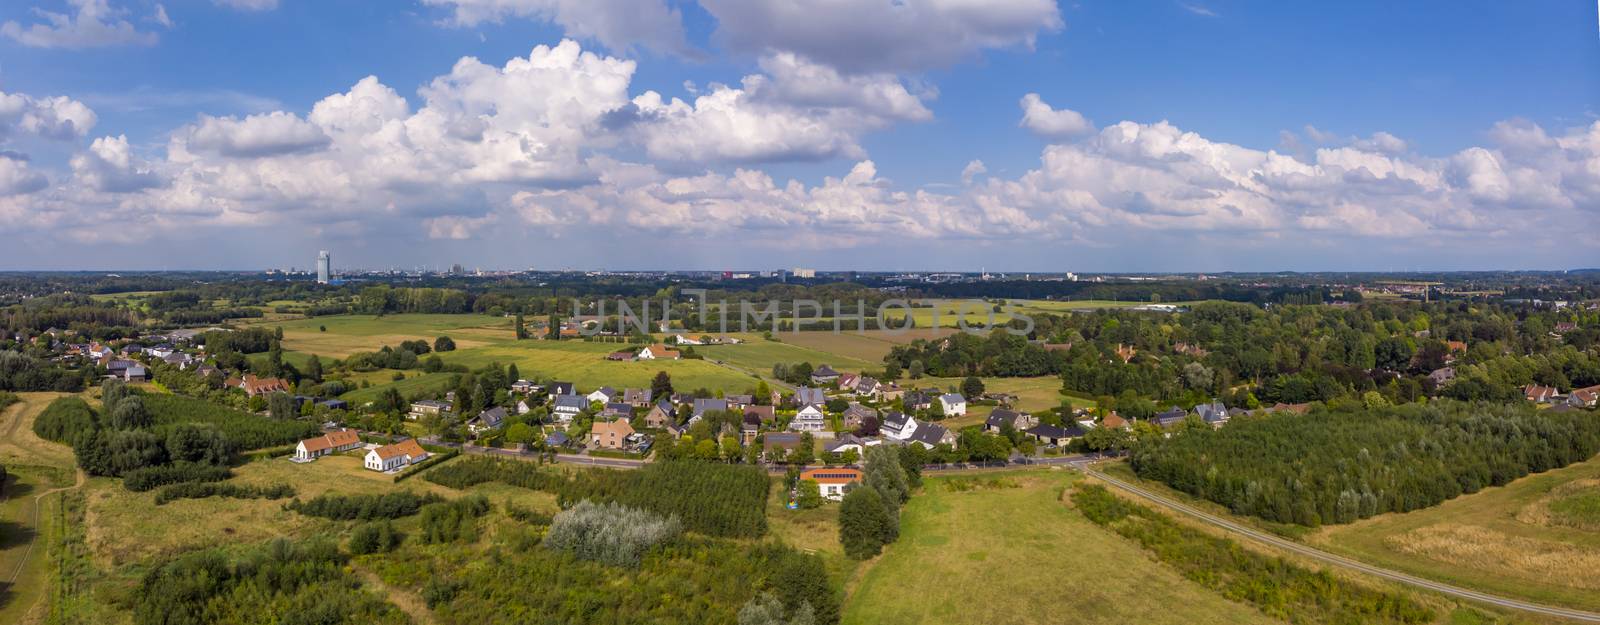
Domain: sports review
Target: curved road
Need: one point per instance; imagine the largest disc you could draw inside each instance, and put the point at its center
(1311, 552)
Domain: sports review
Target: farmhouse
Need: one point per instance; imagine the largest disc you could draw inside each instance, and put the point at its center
(397, 456)
(1585, 397)
(832, 482)
(254, 386)
(332, 442)
(659, 351)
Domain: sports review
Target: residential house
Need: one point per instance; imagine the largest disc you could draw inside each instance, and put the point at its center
(557, 439)
(918, 400)
(1540, 394)
(1126, 352)
(334, 404)
(867, 386)
(524, 386)
(604, 395)
(738, 402)
(1214, 414)
(626, 355)
(1171, 417)
(397, 456)
(616, 410)
(1586, 397)
(749, 428)
(850, 442)
(609, 434)
(1564, 327)
(766, 414)
(1055, 434)
(206, 370)
(847, 381)
(931, 435)
(637, 397)
(953, 404)
(777, 445)
(889, 391)
(1114, 421)
(566, 407)
(855, 414)
(1456, 347)
(331, 442)
(1442, 375)
(428, 408)
(661, 415)
(136, 373)
(179, 360)
(824, 375)
(898, 425)
(702, 405)
(523, 407)
(687, 340)
(1002, 417)
(832, 481)
(563, 388)
(806, 395)
(659, 352)
(488, 419)
(810, 418)
(254, 386)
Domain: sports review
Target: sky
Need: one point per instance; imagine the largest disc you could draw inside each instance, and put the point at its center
(999, 135)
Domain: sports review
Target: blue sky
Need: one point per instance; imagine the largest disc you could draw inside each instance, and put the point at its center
(1424, 135)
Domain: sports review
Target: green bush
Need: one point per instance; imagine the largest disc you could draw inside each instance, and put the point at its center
(375, 537)
(203, 490)
(364, 507)
(140, 480)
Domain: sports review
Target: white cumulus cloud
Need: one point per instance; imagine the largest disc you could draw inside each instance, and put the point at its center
(95, 24)
(1039, 118)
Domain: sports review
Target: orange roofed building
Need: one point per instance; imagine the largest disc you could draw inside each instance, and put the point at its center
(332, 442)
(396, 456)
(833, 481)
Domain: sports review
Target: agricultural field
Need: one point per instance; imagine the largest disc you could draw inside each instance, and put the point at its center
(348, 334)
(759, 355)
(1537, 538)
(1013, 552)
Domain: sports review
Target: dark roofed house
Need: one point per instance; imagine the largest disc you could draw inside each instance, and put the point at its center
(487, 420)
(1214, 413)
(930, 435)
(704, 405)
(568, 406)
(1002, 417)
(562, 388)
(557, 439)
(805, 396)
(1057, 435)
(1171, 417)
(778, 444)
(334, 404)
(617, 409)
(855, 414)
(919, 400)
(639, 397)
(1442, 375)
(824, 375)
(737, 402)
(765, 413)
(661, 415)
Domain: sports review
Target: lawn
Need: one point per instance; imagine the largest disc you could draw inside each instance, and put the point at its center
(1534, 538)
(759, 355)
(1018, 555)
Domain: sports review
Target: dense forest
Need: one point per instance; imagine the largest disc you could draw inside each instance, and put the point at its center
(1339, 465)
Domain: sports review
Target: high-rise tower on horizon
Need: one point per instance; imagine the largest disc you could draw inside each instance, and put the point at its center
(324, 267)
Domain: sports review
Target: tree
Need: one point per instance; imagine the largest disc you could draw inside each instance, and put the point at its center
(281, 406)
(130, 414)
(444, 344)
(512, 374)
(661, 386)
(520, 433)
(916, 370)
(972, 387)
(522, 331)
(891, 370)
(863, 523)
(111, 392)
(810, 494)
(314, 369)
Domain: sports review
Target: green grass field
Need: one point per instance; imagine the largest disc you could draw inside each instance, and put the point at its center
(1021, 556)
(348, 334)
(1528, 539)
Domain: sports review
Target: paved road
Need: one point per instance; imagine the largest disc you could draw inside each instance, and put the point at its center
(1288, 545)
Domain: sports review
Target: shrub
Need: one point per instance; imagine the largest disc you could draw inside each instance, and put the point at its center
(375, 537)
(609, 533)
(864, 524)
(446, 522)
(140, 480)
(203, 490)
(364, 507)
(66, 420)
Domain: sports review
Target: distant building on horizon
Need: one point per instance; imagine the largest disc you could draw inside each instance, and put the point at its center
(324, 267)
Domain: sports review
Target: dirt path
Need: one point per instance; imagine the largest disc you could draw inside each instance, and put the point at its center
(409, 603)
(37, 499)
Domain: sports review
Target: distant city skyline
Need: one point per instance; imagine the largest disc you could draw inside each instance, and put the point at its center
(1196, 136)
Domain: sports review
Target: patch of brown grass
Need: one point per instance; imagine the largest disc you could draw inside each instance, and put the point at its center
(1478, 547)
